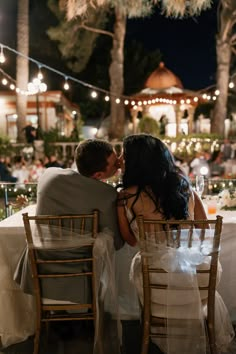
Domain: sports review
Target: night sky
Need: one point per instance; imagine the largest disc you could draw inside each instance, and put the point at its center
(187, 45)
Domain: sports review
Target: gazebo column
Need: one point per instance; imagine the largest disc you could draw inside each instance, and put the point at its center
(177, 118)
(191, 110)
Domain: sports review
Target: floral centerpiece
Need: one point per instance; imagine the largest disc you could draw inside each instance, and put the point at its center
(228, 199)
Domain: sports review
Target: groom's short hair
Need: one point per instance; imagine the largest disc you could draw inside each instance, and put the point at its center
(91, 156)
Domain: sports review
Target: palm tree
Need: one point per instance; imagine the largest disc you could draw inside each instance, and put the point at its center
(122, 10)
(22, 66)
(226, 40)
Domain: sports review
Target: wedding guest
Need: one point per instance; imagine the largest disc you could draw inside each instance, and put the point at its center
(5, 173)
(153, 186)
(52, 162)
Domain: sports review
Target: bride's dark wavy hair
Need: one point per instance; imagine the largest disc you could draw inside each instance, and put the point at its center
(150, 166)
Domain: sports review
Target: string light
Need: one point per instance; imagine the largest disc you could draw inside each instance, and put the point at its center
(107, 95)
(40, 75)
(2, 56)
(66, 85)
(94, 94)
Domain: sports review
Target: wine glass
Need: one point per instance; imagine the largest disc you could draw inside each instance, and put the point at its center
(199, 185)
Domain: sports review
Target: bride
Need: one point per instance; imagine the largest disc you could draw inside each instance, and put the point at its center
(153, 186)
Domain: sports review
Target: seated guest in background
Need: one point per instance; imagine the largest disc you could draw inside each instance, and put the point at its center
(65, 191)
(216, 164)
(5, 173)
(153, 186)
(52, 162)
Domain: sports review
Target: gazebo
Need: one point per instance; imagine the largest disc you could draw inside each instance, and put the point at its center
(164, 96)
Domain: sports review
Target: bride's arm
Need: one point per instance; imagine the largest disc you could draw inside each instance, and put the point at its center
(125, 229)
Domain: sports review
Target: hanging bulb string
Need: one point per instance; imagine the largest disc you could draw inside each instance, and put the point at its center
(71, 78)
(83, 83)
(7, 75)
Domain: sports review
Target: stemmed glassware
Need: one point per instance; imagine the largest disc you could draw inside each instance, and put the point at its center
(199, 185)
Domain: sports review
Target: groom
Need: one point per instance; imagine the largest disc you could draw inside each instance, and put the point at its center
(65, 191)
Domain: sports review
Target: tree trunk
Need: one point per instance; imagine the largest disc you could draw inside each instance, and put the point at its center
(22, 66)
(116, 72)
(223, 51)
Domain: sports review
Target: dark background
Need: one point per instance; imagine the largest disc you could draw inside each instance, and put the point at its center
(187, 45)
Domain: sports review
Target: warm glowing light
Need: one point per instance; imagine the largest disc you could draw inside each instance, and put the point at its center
(4, 82)
(40, 75)
(94, 94)
(66, 86)
(195, 99)
(217, 92)
(204, 170)
(107, 98)
(2, 56)
(126, 102)
(117, 100)
(12, 87)
(231, 85)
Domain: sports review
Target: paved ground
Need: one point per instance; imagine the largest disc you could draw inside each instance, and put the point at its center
(76, 339)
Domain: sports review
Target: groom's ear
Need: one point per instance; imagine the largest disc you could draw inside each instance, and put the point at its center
(98, 175)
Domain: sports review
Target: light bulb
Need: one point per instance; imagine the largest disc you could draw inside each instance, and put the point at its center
(40, 75)
(94, 94)
(66, 86)
(107, 98)
(2, 56)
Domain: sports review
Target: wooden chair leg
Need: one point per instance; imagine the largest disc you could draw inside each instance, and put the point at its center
(145, 342)
(212, 341)
(37, 337)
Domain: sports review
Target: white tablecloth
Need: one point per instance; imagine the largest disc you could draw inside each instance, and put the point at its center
(227, 286)
(17, 309)
(16, 315)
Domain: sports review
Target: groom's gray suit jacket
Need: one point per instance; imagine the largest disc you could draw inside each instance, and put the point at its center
(65, 191)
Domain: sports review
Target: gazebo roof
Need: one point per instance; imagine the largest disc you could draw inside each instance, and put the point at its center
(163, 78)
(164, 87)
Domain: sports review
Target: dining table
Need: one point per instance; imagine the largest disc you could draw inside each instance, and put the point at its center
(17, 314)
